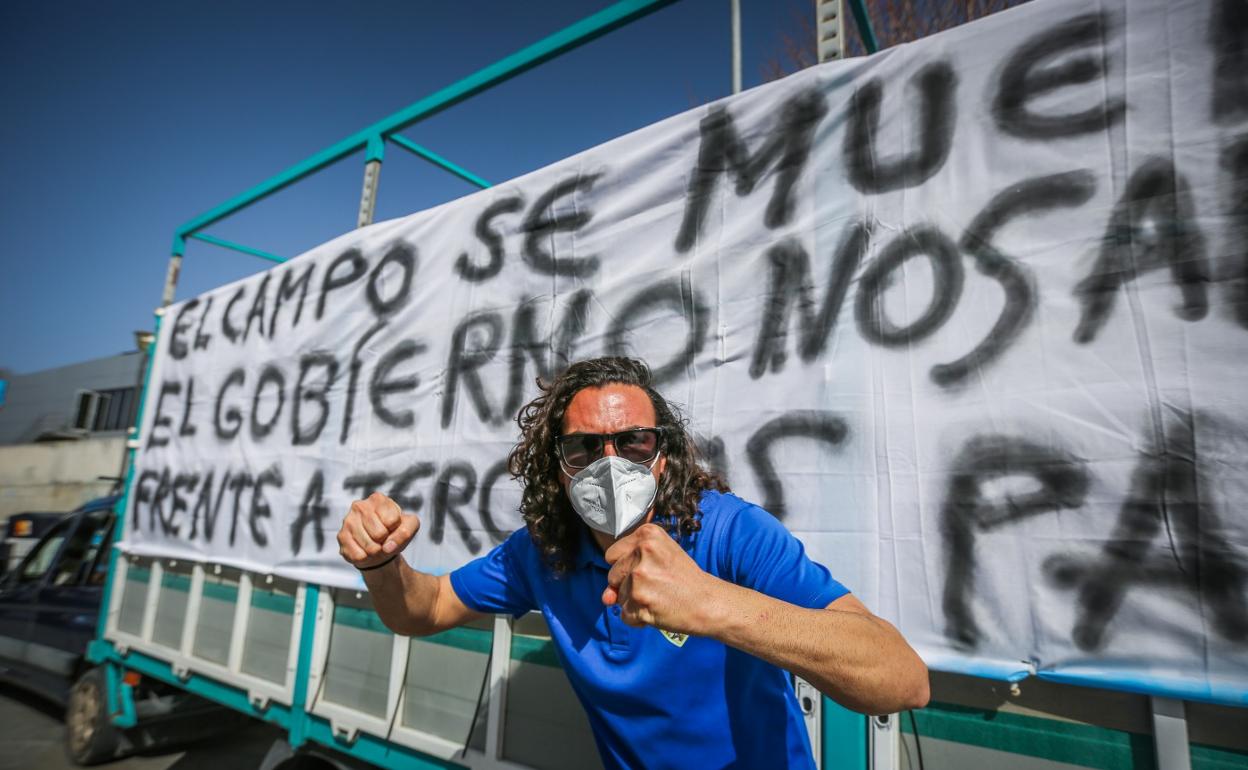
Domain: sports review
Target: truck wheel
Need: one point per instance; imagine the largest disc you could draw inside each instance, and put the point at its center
(91, 737)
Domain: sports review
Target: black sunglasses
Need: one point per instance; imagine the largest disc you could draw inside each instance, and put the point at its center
(639, 445)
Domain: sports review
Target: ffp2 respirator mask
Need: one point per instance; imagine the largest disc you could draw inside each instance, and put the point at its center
(612, 494)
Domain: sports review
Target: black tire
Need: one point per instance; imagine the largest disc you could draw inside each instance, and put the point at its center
(90, 735)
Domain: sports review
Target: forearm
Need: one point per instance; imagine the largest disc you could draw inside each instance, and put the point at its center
(857, 659)
(406, 600)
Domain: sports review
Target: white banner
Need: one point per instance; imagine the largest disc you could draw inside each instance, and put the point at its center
(970, 316)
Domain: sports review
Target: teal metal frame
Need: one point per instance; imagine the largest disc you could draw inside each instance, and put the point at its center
(298, 731)
(438, 160)
(223, 243)
(863, 20)
(844, 730)
(844, 737)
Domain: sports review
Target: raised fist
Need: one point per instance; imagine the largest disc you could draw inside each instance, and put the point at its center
(374, 530)
(655, 583)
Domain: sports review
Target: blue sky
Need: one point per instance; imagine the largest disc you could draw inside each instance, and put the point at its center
(123, 120)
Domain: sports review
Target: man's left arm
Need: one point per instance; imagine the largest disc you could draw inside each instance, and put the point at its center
(857, 659)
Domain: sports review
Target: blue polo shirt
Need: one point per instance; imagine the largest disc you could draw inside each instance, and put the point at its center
(651, 702)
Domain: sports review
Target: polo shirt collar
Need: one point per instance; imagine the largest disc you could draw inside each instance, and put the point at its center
(588, 553)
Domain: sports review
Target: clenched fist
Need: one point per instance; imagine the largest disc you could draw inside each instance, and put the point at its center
(655, 583)
(375, 529)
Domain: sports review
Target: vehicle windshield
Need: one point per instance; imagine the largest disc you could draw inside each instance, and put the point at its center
(40, 560)
(80, 552)
(75, 565)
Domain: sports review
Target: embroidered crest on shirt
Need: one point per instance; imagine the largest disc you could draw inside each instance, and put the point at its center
(673, 637)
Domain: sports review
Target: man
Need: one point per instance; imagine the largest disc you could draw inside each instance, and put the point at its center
(675, 607)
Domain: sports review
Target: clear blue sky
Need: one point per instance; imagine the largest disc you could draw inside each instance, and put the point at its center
(123, 120)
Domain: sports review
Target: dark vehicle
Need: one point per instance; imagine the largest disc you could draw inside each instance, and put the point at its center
(21, 533)
(49, 609)
(50, 601)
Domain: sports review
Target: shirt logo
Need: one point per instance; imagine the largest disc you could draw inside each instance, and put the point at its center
(673, 637)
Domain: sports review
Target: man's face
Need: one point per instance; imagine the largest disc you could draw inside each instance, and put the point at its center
(610, 409)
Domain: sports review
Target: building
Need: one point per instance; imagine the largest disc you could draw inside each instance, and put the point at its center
(63, 429)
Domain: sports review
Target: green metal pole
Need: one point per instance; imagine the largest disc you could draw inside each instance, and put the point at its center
(303, 667)
(864, 25)
(223, 243)
(438, 160)
(844, 738)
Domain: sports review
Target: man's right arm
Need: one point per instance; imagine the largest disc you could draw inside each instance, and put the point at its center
(409, 602)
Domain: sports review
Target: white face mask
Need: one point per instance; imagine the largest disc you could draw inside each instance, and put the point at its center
(612, 494)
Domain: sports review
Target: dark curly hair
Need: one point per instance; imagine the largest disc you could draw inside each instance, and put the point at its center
(547, 512)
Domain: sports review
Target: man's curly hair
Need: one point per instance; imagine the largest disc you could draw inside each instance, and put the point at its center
(548, 514)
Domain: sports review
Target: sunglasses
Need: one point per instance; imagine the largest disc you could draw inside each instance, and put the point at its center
(639, 445)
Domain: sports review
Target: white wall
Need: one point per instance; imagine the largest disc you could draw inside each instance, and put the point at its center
(56, 476)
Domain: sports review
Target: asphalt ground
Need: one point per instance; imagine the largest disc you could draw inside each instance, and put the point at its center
(32, 736)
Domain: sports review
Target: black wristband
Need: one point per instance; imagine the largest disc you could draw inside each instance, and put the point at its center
(378, 566)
